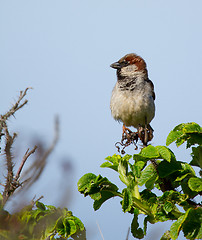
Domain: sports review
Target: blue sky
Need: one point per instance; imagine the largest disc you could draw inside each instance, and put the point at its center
(63, 50)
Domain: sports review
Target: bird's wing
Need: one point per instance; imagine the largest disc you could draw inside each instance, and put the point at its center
(152, 87)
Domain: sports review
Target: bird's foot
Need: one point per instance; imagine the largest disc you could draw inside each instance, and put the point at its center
(145, 134)
(128, 137)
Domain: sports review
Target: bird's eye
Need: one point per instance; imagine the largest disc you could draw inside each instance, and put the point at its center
(125, 63)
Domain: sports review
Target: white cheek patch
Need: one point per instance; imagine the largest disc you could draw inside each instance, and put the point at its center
(128, 70)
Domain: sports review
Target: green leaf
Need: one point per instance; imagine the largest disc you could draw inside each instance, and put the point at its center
(148, 173)
(176, 227)
(114, 159)
(123, 172)
(137, 168)
(165, 153)
(194, 138)
(192, 226)
(127, 202)
(150, 152)
(79, 223)
(168, 207)
(195, 184)
(69, 227)
(109, 165)
(59, 227)
(196, 156)
(173, 136)
(190, 132)
(104, 196)
(138, 157)
(84, 183)
(40, 206)
(191, 127)
(98, 188)
(135, 230)
(166, 168)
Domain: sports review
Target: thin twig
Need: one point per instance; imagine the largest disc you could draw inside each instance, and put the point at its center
(100, 230)
(33, 202)
(38, 166)
(27, 154)
(15, 107)
(127, 236)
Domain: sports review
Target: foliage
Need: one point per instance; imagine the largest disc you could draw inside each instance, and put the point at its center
(35, 221)
(155, 168)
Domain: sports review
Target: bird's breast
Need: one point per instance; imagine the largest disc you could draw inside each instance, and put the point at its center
(132, 107)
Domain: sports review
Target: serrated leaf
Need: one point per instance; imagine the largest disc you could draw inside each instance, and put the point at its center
(135, 230)
(194, 138)
(166, 168)
(191, 127)
(79, 223)
(196, 156)
(179, 127)
(104, 196)
(138, 157)
(192, 226)
(114, 159)
(195, 184)
(150, 152)
(173, 136)
(127, 202)
(190, 132)
(109, 165)
(176, 227)
(147, 174)
(150, 183)
(165, 153)
(137, 168)
(127, 157)
(123, 172)
(85, 182)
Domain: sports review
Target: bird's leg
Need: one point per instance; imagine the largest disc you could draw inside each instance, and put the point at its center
(128, 137)
(140, 132)
(126, 130)
(145, 133)
(150, 132)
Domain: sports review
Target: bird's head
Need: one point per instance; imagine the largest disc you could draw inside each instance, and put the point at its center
(130, 65)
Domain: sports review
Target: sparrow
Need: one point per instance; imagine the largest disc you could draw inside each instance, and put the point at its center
(132, 99)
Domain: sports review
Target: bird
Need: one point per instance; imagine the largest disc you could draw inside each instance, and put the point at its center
(132, 99)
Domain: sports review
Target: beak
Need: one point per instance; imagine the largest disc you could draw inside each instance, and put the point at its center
(116, 65)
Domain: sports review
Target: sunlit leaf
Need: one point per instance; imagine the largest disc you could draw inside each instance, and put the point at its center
(195, 184)
(150, 152)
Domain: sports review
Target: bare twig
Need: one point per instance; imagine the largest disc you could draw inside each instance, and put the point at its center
(127, 237)
(9, 163)
(100, 230)
(37, 167)
(11, 183)
(27, 154)
(33, 202)
(14, 108)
